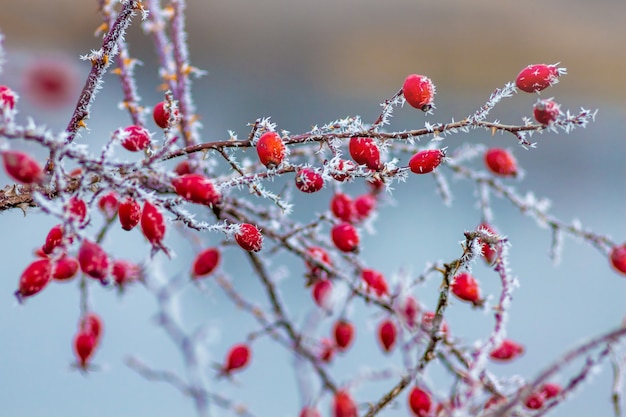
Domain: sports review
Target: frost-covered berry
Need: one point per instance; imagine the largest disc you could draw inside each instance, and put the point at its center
(546, 111)
(535, 78)
(271, 149)
(129, 212)
(501, 162)
(109, 204)
(124, 273)
(489, 253)
(308, 180)
(426, 161)
(22, 167)
(419, 92)
(161, 115)
(364, 151)
(135, 138)
(153, 224)
(93, 260)
(197, 189)
(8, 98)
(345, 237)
(65, 268)
(76, 209)
(205, 262)
(249, 237)
(34, 278)
(342, 170)
(53, 239)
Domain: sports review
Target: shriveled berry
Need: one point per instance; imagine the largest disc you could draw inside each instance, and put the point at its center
(124, 272)
(53, 240)
(375, 281)
(327, 350)
(426, 161)
(408, 310)
(249, 237)
(343, 405)
(322, 290)
(205, 262)
(197, 189)
(84, 347)
(364, 151)
(109, 204)
(363, 206)
(129, 213)
(343, 332)
(618, 258)
(77, 209)
(387, 334)
(546, 111)
(8, 98)
(93, 261)
(342, 207)
(309, 180)
(153, 224)
(271, 149)
(466, 288)
(65, 268)
(342, 170)
(134, 138)
(345, 237)
(501, 162)
(161, 115)
(420, 402)
(22, 167)
(489, 253)
(237, 358)
(535, 78)
(34, 278)
(419, 92)
(507, 351)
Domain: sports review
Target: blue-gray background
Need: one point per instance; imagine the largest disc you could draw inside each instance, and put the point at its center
(306, 63)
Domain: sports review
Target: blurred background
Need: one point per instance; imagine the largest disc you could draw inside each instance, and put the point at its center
(306, 63)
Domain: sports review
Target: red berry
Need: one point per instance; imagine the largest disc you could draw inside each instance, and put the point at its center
(322, 290)
(51, 82)
(375, 281)
(327, 350)
(508, 350)
(426, 161)
(345, 237)
(309, 180)
(501, 162)
(420, 402)
(364, 205)
(319, 255)
(22, 167)
(550, 390)
(161, 115)
(343, 405)
(197, 189)
(271, 149)
(205, 262)
(618, 258)
(342, 170)
(129, 213)
(249, 237)
(387, 334)
(538, 77)
(183, 167)
(342, 207)
(535, 401)
(344, 334)
(91, 324)
(77, 209)
(65, 268)
(309, 412)
(153, 224)
(34, 278)
(135, 138)
(108, 204)
(419, 92)
(466, 288)
(93, 261)
(546, 111)
(124, 272)
(8, 98)
(84, 347)
(238, 357)
(364, 151)
(408, 310)
(53, 240)
(489, 253)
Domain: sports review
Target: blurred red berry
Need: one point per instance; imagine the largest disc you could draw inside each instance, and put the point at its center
(129, 212)
(183, 167)
(343, 405)
(93, 261)
(77, 209)
(53, 239)
(51, 82)
(237, 358)
(320, 255)
(153, 224)
(65, 268)
(426, 161)
(501, 162)
(321, 291)
(419, 92)
(205, 262)
(364, 151)
(342, 207)
(8, 98)
(91, 324)
(375, 281)
(408, 310)
(309, 180)
(387, 334)
(271, 149)
(363, 206)
(34, 278)
(84, 347)
(327, 350)
(124, 273)
(618, 258)
(135, 138)
(345, 237)
(109, 204)
(427, 323)
(535, 78)
(546, 111)
(466, 288)
(343, 332)
(420, 402)
(249, 237)
(309, 412)
(507, 351)
(22, 167)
